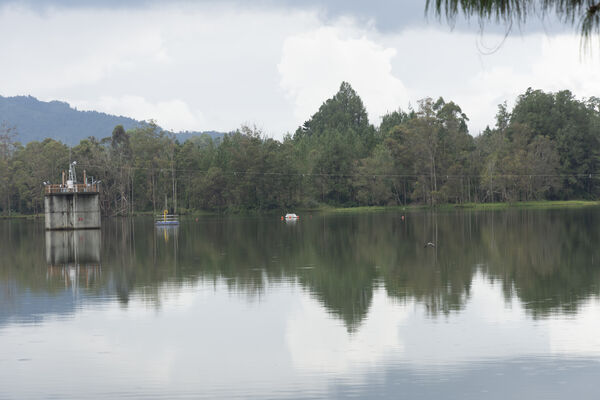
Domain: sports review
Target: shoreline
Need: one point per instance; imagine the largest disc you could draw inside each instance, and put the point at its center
(558, 204)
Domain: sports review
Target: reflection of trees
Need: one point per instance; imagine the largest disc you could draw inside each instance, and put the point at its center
(439, 277)
(546, 258)
(22, 256)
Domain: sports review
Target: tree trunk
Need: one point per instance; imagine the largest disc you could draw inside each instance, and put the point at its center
(153, 194)
(174, 190)
(131, 203)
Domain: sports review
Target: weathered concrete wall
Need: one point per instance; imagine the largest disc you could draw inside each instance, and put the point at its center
(72, 210)
(68, 247)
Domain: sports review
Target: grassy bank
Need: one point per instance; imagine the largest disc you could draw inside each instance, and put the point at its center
(466, 206)
(21, 216)
(369, 209)
(526, 204)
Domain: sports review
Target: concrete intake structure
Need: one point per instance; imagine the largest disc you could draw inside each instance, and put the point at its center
(71, 205)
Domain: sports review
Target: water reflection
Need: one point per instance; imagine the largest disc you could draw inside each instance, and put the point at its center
(253, 307)
(167, 233)
(73, 247)
(73, 257)
(547, 259)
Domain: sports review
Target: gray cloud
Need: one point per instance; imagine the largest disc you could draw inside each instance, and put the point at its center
(208, 65)
(387, 16)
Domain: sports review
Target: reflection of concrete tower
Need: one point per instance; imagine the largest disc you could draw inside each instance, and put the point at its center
(71, 205)
(73, 247)
(73, 256)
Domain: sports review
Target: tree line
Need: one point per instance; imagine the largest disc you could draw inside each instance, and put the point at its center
(545, 148)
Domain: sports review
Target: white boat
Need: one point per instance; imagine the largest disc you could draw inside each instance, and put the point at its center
(291, 216)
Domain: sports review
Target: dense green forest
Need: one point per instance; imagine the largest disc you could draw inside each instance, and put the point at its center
(546, 147)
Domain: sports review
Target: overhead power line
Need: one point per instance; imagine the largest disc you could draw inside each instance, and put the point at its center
(327, 174)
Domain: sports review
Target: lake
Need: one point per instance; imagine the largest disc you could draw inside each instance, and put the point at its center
(506, 305)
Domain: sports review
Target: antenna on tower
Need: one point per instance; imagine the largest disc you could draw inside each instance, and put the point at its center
(72, 175)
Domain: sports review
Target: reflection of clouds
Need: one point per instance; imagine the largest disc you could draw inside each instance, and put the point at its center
(204, 340)
(577, 336)
(99, 352)
(490, 328)
(319, 341)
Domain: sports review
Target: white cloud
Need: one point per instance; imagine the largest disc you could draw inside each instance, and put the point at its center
(57, 51)
(203, 66)
(438, 63)
(314, 63)
(173, 115)
(220, 61)
(556, 65)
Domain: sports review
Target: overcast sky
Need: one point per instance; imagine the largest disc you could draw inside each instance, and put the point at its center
(208, 65)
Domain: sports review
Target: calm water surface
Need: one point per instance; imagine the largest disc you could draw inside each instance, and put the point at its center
(505, 306)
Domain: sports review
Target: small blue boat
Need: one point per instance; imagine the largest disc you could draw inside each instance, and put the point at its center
(167, 219)
(167, 222)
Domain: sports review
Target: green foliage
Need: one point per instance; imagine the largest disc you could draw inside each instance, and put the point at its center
(583, 13)
(31, 165)
(7, 147)
(545, 148)
(574, 128)
(343, 113)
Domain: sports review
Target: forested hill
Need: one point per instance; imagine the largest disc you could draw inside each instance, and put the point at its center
(37, 120)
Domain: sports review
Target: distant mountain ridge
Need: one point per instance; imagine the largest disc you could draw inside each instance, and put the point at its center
(37, 120)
